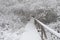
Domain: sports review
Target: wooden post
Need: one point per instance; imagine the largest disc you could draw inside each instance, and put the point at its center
(49, 29)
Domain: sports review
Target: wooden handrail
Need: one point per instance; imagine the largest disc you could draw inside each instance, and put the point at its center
(49, 29)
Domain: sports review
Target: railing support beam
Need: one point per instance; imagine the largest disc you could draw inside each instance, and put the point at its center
(49, 29)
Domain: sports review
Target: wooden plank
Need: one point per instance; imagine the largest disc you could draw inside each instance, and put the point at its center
(49, 29)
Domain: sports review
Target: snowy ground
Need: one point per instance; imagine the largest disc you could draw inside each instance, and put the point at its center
(11, 28)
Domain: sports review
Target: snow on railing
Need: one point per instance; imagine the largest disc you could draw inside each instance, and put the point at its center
(49, 29)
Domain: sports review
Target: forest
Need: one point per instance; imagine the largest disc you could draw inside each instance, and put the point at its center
(15, 14)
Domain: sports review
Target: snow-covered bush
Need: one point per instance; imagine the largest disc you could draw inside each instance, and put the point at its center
(51, 16)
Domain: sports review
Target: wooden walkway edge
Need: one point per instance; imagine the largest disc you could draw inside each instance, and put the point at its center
(49, 29)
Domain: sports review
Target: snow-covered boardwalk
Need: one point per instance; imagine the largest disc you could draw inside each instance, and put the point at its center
(30, 32)
(49, 29)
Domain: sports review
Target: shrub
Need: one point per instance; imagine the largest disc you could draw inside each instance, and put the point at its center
(51, 16)
(48, 16)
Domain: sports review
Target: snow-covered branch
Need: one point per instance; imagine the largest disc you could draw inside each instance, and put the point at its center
(49, 29)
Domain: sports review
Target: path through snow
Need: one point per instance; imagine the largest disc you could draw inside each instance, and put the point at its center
(30, 32)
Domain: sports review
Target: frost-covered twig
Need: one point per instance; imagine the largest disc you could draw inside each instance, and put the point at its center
(50, 30)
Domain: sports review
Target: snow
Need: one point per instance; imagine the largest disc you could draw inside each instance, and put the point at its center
(30, 32)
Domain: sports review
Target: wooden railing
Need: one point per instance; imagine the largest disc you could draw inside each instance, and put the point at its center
(49, 29)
